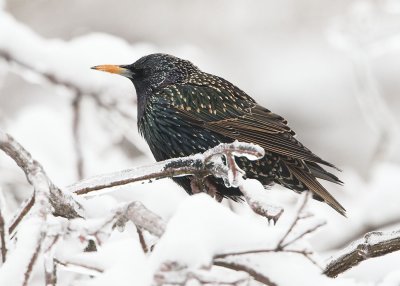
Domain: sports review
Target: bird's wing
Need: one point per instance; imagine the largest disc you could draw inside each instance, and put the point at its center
(232, 113)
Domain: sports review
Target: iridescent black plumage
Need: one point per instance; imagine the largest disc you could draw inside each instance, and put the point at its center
(183, 111)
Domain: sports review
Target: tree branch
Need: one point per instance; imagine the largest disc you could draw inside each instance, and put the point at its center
(140, 216)
(281, 244)
(242, 267)
(3, 235)
(76, 122)
(201, 165)
(64, 204)
(373, 244)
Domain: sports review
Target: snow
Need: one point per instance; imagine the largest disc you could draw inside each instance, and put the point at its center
(13, 270)
(372, 203)
(3, 136)
(54, 56)
(257, 197)
(311, 83)
(392, 279)
(124, 260)
(296, 269)
(208, 233)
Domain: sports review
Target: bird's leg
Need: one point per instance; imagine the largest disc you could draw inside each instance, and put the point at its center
(204, 185)
(211, 189)
(197, 185)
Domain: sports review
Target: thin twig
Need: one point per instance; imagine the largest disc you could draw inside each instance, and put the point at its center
(295, 221)
(307, 231)
(76, 122)
(254, 251)
(34, 258)
(242, 267)
(26, 206)
(3, 235)
(142, 240)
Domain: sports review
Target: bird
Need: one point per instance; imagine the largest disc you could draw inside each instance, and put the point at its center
(182, 110)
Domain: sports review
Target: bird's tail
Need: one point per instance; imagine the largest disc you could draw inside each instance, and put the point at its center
(302, 177)
(321, 173)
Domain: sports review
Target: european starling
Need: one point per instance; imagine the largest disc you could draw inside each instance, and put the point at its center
(183, 111)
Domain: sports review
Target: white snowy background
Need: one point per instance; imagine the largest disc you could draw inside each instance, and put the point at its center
(331, 68)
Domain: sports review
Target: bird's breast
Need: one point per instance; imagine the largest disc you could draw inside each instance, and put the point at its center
(170, 136)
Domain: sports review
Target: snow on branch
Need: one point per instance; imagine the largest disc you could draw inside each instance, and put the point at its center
(47, 59)
(142, 217)
(283, 244)
(41, 232)
(64, 204)
(39, 212)
(200, 165)
(373, 244)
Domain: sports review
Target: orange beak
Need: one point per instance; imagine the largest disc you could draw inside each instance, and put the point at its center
(120, 70)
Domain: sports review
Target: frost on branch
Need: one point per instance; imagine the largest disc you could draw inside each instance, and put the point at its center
(209, 232)
(62, 202)
(142, 217)
(203, 243)
(373, 244)
(255, 196)
(200, 165)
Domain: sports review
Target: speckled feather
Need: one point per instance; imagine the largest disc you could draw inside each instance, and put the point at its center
(183, 111)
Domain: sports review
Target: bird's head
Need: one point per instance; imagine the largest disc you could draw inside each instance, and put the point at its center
(153, 71)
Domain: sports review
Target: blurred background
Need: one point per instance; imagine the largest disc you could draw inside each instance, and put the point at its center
(331, 68)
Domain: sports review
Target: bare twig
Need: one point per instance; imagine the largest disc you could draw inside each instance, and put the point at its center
(283, 244)
(33, 259)
(373, 244)
(26, 206)
(307, 231)
(203, 277)
(142, 240)
(3, 235)
(280, 244)
(76, 121)
(242, 267)
(255, 251)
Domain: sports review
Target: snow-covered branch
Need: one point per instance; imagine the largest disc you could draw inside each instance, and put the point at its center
(282, 245)
(142, 217)
(40, 210)
(373, 244)
(46, 194)
(47, 61)
(200, 165)
(64, 204)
